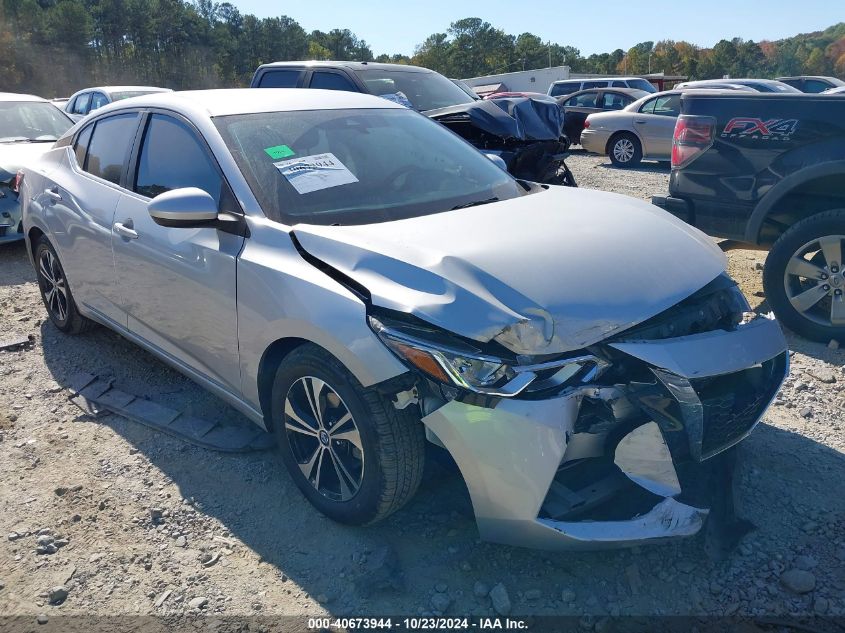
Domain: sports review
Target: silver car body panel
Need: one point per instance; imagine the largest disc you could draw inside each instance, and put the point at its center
(487, 288)
(535, 277)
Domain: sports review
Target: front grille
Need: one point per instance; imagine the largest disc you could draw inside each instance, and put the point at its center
(732, 404)
(713, 413)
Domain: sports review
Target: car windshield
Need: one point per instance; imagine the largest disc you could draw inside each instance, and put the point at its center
(359, 166)
(31, 121)
(641, 84)
(423, 90)
(128, 94)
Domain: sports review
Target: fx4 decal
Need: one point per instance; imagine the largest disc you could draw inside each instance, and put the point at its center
(771, 130)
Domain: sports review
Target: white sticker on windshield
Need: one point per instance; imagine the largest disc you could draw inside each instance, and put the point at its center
(312, 173)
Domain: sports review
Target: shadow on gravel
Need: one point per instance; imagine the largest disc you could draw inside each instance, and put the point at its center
(647, 166)
(435, 535)
(15, 268)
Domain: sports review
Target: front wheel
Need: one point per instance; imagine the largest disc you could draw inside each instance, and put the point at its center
(353, 455)
(625, 150)
(804, 278)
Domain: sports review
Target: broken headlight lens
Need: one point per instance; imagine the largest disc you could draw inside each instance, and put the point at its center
(451, 365)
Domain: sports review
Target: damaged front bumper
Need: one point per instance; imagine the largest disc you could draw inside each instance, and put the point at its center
(616, 464)
(11, 229)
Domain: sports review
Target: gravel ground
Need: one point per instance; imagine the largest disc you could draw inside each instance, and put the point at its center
(103, 516)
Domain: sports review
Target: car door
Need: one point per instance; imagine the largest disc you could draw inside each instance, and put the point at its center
(280, 78)
(82, 199)
(178, 284)
(576, 109)
(655, 125)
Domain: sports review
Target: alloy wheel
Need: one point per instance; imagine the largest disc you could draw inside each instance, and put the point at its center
(623, 150)
(53, 285)
(324, 439)
(814, 281)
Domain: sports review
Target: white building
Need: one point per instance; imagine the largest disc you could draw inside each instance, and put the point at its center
(537, 80)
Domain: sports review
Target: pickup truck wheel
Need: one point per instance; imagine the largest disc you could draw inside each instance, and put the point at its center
(625, 150)
(353, 455)
(804, 278)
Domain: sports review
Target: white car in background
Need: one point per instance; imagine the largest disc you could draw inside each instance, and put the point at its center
(29, 126)
(90, 99)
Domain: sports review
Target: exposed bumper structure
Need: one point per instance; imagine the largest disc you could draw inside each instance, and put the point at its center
(615, 465)
(10, 217)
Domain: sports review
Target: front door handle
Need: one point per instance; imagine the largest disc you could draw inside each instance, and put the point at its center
(53, 194)
(125, 230)
(639, 121)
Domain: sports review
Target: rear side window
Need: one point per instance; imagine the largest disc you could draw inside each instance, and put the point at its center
(331, 81)
(565, 88)
(283, 78)
(80, 106)
(109, 146)
(595, 84)
(80, 148)
(619, 84)
(172, 157)
(669, 105)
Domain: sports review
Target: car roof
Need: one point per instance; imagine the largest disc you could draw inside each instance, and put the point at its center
(631, 92)
(229, 101)
(14, 96)
(583, 79)
(110, 89)
(737, 82)
(825, 77)
(348, 64)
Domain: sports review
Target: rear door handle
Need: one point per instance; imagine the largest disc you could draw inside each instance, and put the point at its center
(125, 230)
(53, 194)
(640, 121)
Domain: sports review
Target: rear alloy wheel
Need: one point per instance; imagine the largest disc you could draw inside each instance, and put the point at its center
(625, 150)
(55, 291)
(353, 455)
(804, 277)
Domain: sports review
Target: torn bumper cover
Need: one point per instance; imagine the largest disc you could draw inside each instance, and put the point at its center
(621, 464)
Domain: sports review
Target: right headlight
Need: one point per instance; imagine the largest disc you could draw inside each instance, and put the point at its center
(476, 372)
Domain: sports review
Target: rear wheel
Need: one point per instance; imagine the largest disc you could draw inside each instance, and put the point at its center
(625, 150)
(353, 455)
(55, 291)
(804, 278)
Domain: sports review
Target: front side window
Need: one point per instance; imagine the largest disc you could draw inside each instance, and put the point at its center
(80, 106)
(98, 100)
(331, 81)
(586, 100)
(814, 85)
(423, 90)
(172, 158)
(648, 107)
(281, 78)
(358, 166)
(31, 121)
(109, 146)
(614, 101)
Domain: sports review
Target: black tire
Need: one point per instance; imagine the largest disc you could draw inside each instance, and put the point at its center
(61, 307)
(392, 440)
(776, 282)
(632, 146)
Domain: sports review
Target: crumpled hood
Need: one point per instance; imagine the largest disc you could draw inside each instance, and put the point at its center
(542, 274)
(510, 118)
(13, 156)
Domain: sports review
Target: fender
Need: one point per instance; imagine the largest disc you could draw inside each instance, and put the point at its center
(781, 189)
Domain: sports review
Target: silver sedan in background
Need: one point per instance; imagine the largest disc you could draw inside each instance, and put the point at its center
(359, 280)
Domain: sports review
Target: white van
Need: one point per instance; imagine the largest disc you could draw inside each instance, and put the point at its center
(568, 86)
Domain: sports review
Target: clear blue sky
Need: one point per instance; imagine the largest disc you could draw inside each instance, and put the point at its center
(593, 26)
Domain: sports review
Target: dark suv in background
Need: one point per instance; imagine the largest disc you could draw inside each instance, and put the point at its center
(813, 84)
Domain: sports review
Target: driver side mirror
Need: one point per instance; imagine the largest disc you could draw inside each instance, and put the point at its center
(188, 207)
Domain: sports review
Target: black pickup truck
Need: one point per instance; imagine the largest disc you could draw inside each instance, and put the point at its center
(768, 171)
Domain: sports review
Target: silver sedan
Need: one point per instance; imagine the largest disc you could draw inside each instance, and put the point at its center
(358, 280)
(643, 129)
